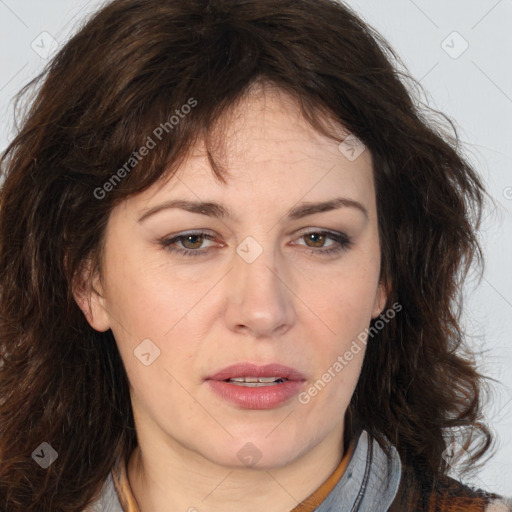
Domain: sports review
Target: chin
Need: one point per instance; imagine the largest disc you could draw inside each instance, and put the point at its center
(254, 452)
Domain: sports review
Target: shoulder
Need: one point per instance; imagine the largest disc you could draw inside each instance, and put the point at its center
(444, 494)
(108, 500)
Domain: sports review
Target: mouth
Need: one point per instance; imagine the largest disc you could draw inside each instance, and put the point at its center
(250, 386)
(255, 382)
(252, 375)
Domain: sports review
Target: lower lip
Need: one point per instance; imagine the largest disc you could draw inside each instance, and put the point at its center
(261, 397)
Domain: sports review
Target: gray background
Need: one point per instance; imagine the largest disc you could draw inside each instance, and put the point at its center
(466, 74)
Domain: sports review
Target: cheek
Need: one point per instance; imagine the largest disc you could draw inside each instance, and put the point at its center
(343, 300)
(153, 304)
(144, 297)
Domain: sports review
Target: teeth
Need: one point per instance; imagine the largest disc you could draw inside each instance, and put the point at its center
(255, 381)
(255, 384)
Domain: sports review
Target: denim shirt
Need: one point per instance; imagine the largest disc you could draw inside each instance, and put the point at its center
(369, 483)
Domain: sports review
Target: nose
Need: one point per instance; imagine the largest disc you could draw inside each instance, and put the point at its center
(260, 298)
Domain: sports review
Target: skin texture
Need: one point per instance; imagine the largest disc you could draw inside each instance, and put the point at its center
(291, 305)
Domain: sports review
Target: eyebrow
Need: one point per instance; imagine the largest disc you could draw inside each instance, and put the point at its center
(219, 211)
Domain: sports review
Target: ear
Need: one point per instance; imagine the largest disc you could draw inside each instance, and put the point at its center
(88, 294)
(381, 298)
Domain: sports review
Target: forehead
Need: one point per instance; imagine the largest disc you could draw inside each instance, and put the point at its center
(272, 156)
(267, 124)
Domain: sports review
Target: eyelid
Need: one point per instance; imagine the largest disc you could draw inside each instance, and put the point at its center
(341, 241)
(340, 237)
(167, 241)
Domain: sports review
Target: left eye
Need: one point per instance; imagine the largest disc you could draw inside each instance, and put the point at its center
(192, 242)
(316, 238)
(341, 242)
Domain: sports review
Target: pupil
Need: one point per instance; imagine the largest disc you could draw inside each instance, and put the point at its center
(318, 236)
(190, 239)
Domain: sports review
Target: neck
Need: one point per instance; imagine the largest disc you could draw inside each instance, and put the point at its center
(185, 481)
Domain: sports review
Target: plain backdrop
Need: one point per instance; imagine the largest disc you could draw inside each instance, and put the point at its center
(461, 53)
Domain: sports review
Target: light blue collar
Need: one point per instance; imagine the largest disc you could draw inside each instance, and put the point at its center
(370, 481)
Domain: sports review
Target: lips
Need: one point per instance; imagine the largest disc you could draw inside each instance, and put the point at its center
(241, 370)
(249, 386)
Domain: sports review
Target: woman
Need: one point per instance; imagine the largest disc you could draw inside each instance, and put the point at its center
(231, 249)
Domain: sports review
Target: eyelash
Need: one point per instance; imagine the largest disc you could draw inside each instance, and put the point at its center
(342, 240)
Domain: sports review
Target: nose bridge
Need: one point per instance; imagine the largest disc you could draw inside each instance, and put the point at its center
(260, 300)
(256, 267)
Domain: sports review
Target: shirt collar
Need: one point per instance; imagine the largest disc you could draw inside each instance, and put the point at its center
(370, 481)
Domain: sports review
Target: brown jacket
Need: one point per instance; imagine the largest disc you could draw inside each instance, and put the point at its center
(448, 495)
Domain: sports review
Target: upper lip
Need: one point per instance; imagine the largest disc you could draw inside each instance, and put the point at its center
(252, 370)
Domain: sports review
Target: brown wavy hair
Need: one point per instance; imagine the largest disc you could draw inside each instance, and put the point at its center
(126, 71)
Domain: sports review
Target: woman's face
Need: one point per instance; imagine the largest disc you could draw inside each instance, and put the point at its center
(253, 289)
